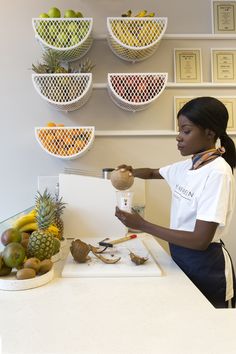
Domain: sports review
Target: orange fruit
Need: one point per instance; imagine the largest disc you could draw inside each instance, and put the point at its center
(51, 124)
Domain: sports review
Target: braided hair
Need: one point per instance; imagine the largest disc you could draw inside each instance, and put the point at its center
(210, 113)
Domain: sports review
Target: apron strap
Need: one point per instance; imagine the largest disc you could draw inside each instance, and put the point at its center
(233, 300)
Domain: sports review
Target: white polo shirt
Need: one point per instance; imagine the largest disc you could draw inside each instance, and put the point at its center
(207, 193)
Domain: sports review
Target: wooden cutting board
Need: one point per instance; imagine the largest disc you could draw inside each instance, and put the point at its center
(124, 268)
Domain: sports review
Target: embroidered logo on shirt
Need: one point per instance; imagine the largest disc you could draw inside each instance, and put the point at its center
(183, 192)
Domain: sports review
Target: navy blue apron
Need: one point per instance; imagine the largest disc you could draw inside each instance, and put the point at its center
(206, 269)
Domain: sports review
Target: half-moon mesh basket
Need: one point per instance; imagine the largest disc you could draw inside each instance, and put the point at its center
(133, 38)
(136, 91)
(70, 38)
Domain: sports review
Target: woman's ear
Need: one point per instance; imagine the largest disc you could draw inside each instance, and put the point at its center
(210, 134)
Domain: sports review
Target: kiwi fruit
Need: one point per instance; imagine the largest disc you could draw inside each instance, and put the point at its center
(45, 266)
(25, 273)
(33, 263)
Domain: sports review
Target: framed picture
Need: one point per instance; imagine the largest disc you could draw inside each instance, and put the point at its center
(223, 65)
(228, 101)
(224, 17)
(187, 65)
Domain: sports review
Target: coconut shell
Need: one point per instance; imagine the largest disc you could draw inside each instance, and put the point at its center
(79, 250)
(122, 180)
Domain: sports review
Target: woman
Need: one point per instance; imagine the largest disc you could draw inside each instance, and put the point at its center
(203, 193)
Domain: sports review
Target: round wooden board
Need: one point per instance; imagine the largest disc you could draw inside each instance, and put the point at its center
(10, 282)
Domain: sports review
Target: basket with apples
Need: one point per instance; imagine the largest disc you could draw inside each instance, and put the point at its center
(136, 91)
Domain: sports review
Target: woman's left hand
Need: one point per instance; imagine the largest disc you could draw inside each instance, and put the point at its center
(132, 220)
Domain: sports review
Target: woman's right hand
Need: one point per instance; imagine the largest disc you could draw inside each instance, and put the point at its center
(125, 168)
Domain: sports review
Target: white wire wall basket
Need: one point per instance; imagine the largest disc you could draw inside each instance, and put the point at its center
(135, 91)
(135, 38)
(65, 92)
(70, 38)
(66, 143)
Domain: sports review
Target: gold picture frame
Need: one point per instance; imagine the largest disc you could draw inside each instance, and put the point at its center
(223, 65)
(223, 17)
(187, 65)
(228, 101)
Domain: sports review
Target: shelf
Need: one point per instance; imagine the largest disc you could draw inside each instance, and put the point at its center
(201, 36)
(102, 133)
(181, 85)
(135, 133)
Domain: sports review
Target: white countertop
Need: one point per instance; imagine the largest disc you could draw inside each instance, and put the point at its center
(141, 315)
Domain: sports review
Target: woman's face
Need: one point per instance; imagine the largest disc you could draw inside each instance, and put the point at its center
(191, 138)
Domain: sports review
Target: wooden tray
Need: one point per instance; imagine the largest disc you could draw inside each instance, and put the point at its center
(10, 282)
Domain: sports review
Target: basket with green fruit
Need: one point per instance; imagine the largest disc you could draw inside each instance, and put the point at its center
(69, 36)
(135, 37)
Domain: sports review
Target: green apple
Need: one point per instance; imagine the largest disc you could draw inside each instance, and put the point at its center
(43, 15)
(62, 39)
(79, 14)
(74, 40)
(72, 28)
(54, 12)
(53, 31)
(70, 14)
(83, 31)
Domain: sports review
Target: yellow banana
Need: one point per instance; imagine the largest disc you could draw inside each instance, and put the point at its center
(32, 212)
(148, 33)
(141, 13)
(54, 229)
(127, 14)
(125, 36)
(29, 227)
(151, 14)
(33, 226)
(23, 220)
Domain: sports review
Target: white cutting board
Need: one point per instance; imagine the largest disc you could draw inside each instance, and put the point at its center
(90, 209)
(123, 268)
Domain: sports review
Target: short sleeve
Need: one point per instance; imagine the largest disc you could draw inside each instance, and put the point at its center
(214, 200)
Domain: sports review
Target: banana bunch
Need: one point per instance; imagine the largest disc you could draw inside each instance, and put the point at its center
(28, 223)
(142, 13)
(125, 35)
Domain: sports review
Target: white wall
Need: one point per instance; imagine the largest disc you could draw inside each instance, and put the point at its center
(22, 109)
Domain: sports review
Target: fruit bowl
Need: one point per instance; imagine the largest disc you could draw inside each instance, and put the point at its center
(135, 38)
(65, 142)
(135, 91)
(65, 92)
(9, 282)
(70, 38)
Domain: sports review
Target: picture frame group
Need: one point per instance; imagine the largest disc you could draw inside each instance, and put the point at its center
(188, 65)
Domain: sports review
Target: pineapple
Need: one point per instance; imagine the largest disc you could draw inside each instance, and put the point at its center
(58, 220)
(41, 242)
(51, 64)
